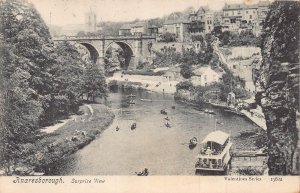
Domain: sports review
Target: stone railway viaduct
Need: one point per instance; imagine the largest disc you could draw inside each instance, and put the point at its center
(136, 48)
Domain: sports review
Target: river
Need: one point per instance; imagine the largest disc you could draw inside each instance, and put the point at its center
(164, 151)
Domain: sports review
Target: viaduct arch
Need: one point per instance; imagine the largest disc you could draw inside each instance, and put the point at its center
(136, 48)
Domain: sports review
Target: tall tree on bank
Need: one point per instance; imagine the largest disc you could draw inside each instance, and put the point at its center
(278, 86)
(38, 80)
(28, 58)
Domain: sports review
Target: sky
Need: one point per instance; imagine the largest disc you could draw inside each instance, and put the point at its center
(64, 12)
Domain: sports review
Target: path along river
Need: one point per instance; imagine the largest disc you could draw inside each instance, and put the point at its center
(164, 151)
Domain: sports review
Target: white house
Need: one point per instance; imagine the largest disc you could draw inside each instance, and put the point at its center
(204, 76)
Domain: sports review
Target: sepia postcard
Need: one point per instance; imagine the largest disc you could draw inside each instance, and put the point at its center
(149, 96)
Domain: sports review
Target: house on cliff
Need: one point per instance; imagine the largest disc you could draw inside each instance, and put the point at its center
(205, 76)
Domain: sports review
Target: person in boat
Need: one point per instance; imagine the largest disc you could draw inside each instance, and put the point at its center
(133, 126)
(143, 173)
(193, 142)
(168, 125)
(167, 118)
(208, 151)
(164, 112)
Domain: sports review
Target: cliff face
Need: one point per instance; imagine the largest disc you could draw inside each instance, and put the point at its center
(278, 86)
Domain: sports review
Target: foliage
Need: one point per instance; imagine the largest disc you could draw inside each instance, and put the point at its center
(197, 38)
(144, 72)
(110, 28)
(190, 57)
(244, 38)
(186, 71)
(168, 37)
(39, 81)
(114, 60)
(232, 84)
(156, 22)
(185, 85)
(167, 56)
(67, 80)
(217, 31)
(81, 33)
(94, 83)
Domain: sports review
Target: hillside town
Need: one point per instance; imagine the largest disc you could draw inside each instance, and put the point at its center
(233, 18)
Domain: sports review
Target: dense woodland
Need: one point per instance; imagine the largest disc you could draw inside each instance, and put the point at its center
(40, 81)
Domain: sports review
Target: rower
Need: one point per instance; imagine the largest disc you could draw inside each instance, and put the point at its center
(133, 126)
(168, 125)
(145, 172)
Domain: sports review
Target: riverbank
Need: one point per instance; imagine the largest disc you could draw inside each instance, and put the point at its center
(73, 135)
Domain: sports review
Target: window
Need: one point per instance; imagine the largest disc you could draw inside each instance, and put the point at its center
(177, 31)
(250, 16)
(246, 11)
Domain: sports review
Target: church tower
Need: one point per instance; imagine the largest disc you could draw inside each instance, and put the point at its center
(91, 21)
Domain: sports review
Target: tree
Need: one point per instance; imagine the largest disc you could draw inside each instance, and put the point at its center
(217, 31)
(186, 71)
(278, 86)
(38, 80)
(28, 60)
(168, 37)
(94, 83)
(197, 38)
(81, 33)
(67, 78)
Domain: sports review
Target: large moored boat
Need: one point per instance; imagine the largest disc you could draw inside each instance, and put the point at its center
(215, 156)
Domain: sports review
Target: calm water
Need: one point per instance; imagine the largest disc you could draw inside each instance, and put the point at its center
(164, 151)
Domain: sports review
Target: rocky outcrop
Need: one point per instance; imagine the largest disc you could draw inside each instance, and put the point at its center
(278, 86)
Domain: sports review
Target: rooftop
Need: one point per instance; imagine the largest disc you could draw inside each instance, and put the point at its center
(169, 22)
(234, 6)
(202, 70)
(203, 9)
(219, 137)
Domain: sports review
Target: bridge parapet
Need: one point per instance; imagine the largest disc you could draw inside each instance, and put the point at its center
(102, 37)
(75, 38)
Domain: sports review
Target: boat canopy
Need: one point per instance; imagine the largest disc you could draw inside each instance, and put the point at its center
(217, 136)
